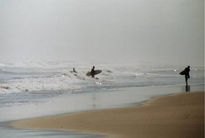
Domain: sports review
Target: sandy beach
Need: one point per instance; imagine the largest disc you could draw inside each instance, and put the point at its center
(176, 116)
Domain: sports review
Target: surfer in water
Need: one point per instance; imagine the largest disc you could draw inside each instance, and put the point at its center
(92, 72)
(185, 72)
(74, 70)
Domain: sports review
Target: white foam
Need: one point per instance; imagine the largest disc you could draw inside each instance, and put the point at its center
(60, 77)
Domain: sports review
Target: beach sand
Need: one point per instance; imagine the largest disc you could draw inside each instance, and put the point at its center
(176, 116)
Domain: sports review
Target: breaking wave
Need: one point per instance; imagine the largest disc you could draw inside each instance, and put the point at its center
(39, 76)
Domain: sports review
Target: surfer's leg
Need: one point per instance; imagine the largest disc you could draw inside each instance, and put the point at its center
(186, 79)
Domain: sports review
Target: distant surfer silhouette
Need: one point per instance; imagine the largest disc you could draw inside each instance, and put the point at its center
(185, 72)
(74, 70)
(92, 72)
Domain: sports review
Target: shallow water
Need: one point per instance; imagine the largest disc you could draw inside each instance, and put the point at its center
(8, 132)
(92, 100)
(78, 102)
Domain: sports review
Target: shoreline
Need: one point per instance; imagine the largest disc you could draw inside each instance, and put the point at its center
(80, 102)
(182, 114)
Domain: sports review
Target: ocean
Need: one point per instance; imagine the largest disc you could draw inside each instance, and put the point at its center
(33, 89)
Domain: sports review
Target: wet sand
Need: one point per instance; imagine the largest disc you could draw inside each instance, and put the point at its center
(176, 116)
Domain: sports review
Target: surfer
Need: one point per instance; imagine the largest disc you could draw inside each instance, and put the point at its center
(185, 72)
(74, 70)
(92, 72)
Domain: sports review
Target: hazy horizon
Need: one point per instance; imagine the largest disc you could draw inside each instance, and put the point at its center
(109, 31)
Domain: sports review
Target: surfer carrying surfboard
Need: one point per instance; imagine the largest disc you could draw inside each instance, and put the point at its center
(93, 72)
(186, 73)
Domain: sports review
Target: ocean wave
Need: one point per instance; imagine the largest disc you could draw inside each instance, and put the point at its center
(21, 79)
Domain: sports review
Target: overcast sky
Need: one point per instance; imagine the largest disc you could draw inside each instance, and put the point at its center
(160, 31)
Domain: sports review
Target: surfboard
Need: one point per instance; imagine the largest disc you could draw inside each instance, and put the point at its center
(95, 73)
(182, 73)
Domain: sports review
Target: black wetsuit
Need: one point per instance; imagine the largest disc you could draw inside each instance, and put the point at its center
(186, 73)
(93, 72)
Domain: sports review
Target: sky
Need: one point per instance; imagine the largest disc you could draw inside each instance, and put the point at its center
(105, 31)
